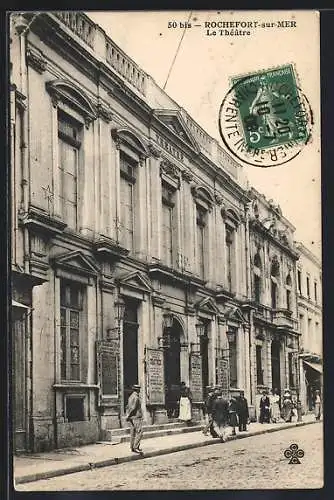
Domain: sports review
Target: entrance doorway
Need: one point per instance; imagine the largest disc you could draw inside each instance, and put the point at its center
(172, 367)
(276, 365)
(130, 347)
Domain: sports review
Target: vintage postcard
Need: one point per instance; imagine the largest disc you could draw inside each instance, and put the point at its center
(166, 250)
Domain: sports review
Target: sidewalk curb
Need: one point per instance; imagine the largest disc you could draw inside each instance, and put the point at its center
(119, 460)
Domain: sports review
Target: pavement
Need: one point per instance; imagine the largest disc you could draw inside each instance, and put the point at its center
(36, 466)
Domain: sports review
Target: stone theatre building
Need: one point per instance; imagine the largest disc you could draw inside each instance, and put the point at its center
(139, 255)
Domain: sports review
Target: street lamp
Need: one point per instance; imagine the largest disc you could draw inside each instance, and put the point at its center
(200, 329)
(167, 319)
(119, 316)
(120, 309)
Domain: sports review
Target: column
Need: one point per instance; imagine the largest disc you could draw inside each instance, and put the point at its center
(212, 353)
(247, 367)
(284, 364)
(55, 160)
(268, 364)
(156, 194)
(210, 258)
(189, 218)
(97, 176)
(143, 341)
(141, 222)
(88, 199)
(220, 247)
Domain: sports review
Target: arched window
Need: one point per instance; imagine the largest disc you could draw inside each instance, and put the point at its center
(274, 274)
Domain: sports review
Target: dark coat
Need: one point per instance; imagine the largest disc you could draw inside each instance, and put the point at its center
(264, 402)
(242, 407)
(220, 411)
(209, 403)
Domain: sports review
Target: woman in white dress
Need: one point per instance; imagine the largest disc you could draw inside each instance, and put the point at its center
(185, 404)
(275, 406)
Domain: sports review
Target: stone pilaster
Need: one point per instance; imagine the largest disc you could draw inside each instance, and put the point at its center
(268, 361)
(55, 160)
(156, 195)
(188, 226)
(141, 220)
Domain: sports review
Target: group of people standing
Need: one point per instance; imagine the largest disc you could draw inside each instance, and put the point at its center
(275, 409)
(222, 413)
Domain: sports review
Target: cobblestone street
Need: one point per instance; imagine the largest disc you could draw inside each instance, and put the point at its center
(257, 462)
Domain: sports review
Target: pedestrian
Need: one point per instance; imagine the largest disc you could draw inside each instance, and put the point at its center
(220, 416)
(317, 405)
(185, 404)
(135, 417)
(287, 406)
(242, 412)
(233, 414)
(275, 406)
(208, 409)
(264, 408)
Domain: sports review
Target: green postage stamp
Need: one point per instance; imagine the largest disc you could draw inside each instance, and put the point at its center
(265, 119)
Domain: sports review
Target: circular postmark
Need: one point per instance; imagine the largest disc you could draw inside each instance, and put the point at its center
(265, 120)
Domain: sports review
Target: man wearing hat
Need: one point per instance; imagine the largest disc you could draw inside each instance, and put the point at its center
(208, 408)
(135, 417)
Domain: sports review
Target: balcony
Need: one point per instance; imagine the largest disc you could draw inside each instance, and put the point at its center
(282, 319)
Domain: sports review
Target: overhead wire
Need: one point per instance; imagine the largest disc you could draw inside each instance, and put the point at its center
(177, 51)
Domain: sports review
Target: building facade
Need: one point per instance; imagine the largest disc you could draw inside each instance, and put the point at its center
(309, 297)
(139, 255)
(273, 259)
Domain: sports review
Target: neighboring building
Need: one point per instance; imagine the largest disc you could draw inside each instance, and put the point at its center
(138, 253)
(309, 296)
(273, 276)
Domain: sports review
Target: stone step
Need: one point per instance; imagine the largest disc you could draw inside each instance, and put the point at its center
(156, 427)
(151, 433)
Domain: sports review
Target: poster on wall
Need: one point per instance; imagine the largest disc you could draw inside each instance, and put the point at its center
(196, 384)
(223, 378)
(107, 352)
(155, 376)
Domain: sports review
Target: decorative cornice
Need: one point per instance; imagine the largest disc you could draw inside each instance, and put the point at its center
(187, 176)
(104, 112)
(157, 299)
(218, 198)
(156, 152)
(169, 169)
(108, 247)
(63, 90)
(38, 220)
(36, 59)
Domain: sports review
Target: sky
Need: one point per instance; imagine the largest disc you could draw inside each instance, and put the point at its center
(200, 78)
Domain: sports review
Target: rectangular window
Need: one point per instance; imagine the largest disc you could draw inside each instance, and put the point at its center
(257, 288)
(273, 295)
(167, 224)
(70, 323)
(229, 240)
(299, 281)
(201, 230)
(69, 144)
(74, 408)
(127, 200)
(259, 369)
(288, 300)
(315, 292)
(308, 286)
